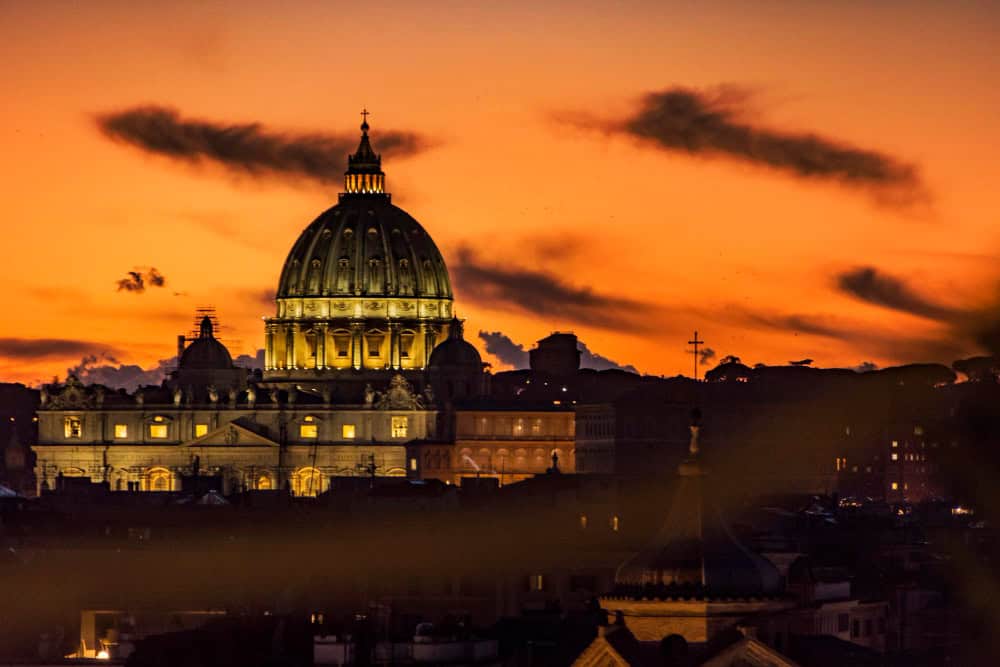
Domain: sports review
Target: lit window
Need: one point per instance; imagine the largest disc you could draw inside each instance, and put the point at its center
(158, 431)
(895, 443)
(264, 482)
(614, 523)
(347, 431)
(374, 345)
(73, 427)
(895, 456)
(343, 344)
(200, 430)
(895, 486)
(405, 345)
(536, 427)
(583, 521)
(413, 464)
(536, 582)
(121, 431)
(158, 419)
(308, 431)
(160, 480)
(518, 426)
(400, 426)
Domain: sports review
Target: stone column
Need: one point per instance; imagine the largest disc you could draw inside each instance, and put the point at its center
(394, 345)
(290, 331)
(430, 338)
(320, 345)
(357, 340)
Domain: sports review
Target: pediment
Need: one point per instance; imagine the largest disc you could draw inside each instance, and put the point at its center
(232, 434)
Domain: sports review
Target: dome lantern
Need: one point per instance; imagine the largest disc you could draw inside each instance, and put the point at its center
(364, 175)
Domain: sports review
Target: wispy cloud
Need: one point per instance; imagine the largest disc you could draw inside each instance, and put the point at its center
(30, 349)
(873, 286)
(249, 149)
(713, 124)
(546, 295)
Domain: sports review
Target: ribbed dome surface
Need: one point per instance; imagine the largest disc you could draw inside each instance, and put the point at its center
(366, 247)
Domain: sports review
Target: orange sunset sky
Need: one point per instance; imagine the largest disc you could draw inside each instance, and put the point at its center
(509, 178)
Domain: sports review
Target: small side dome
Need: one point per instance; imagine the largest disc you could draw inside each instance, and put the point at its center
(206, 352)
(455, 351)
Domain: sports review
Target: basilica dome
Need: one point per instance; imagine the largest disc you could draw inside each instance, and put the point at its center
(364, 246)
(364, 287)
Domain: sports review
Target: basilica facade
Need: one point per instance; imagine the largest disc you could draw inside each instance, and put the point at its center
(363, 358)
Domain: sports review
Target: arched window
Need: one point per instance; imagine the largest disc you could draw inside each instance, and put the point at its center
(263, 482)
(307, 481)
(159, 479)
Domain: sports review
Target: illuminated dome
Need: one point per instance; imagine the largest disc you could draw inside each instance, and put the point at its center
(364, 286)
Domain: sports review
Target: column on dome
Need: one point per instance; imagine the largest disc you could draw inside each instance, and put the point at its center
(357, 343)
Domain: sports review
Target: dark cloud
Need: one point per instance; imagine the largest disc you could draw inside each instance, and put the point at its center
(599, 362)
(865, 367)
(711, 124)
(968, 329)
(706, 355)
(869, 284)
(503, 348)
(155, 278)
(812, 325)
(254, 362)
(246, 148)
(106, 370)
(543, 294)
(514, 354)
(46, 348)
(138, 279)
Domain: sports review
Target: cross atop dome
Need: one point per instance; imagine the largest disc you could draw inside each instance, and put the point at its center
(364, 173)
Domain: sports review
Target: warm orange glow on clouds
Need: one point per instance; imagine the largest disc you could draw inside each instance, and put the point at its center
(618, 234)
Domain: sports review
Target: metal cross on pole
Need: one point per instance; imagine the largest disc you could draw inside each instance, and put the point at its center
(695, 342)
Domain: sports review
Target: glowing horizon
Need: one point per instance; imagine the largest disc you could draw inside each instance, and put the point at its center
(515, 135)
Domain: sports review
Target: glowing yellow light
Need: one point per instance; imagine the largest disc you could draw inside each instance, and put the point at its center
(121, 430)
(103, 655)
(347, 431)
(158, 431)
(200, 430)
(309, 431)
